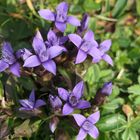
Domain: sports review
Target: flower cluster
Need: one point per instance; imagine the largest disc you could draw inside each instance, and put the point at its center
(43, 55)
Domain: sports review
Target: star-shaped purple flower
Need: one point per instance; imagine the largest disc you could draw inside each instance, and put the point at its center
(73, 99)
(31, 103)
(104, 47)
(60, 17)
(87, 125)
(43, 55)
(9, 60)
(53, 40)
(85, 46)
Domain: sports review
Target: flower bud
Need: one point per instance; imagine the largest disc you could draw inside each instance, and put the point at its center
(84, 24)
(107, 89)
(55, 102)
(53, 124)
(23, 53)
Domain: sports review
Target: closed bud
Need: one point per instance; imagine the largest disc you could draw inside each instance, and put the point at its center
(55, 102)
(84, 24)
(107, 89)
(53, 124)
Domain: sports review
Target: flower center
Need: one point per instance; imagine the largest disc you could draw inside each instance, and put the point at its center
(43, 55)
(87, 125)
(86, 46)
(61, 16)
(73, 100)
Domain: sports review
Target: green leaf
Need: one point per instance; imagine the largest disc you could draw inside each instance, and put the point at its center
(135, 89)
(130, 134)
(138, 6)
(91, 5)
(119, 7)
(27, 83)
(111, 122)
(137, 100)
(93, 74)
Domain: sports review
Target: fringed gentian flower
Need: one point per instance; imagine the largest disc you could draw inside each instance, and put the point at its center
(9, 60)
(60, 17)
(53, 40)
(107, 89)
(73, 100)
(43, 55)
(104, 47)
(87, 125)
(55, 102)
(84, 24)
(85, 46)
(31, 103)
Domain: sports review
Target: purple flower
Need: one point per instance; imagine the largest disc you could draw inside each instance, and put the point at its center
(60, 17)
(104, 47)
(87, 125)
(53, 40)
(84, 24)
(73, 99)
(107, 88)
(85, 46)
(55, 102)
(43, 55)
(31, 103)
(23, 53)
(9, 60)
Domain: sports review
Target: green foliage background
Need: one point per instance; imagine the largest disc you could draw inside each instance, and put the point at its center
(115, 19)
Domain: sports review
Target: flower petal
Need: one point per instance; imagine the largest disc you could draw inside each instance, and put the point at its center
(26, 103)
(79, 119)
(7, 46)
(78, 89)
(32, 61)
(3, 65)
(50, 66)
(95, 53)
(38, 44)
(83, 104)
(67, 109)
(89, 36)
(105, 46)
(39, 103)
(60, 26)
(55, 51)
(63, 7)
(47, 14)
(73, 20)
(32, 96)
(63, 94)
(38, 35)
(94, 117)
(51, 36)
(76, 39)
(94, 133)
(62, 40)
(81, 56)
(108, 59)
(15, 69)
(81, 135)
